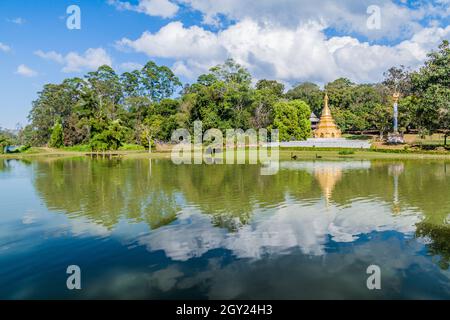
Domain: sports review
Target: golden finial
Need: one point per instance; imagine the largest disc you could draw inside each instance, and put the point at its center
(396, 96)
(326, 110)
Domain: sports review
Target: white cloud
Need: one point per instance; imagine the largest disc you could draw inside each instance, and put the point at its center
(17, 20)
(4, 47)
(51, 55)
(397, 20)
(74, 62)
(175, 41)
(289, 39)
(161, 8)
(275, 51)
(83, 227)
(131, 66)
(30, 217)
(25, 71)
(181, 69)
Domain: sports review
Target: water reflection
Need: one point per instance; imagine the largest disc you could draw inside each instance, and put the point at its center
(151, 229)
(194, 209)
(327, 173)
(5, 165)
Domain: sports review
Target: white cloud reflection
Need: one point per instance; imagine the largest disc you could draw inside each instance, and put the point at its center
(293, 225)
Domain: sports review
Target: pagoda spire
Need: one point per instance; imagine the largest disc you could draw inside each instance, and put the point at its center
(326, 110)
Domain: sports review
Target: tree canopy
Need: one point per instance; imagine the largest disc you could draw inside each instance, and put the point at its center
(106, 110)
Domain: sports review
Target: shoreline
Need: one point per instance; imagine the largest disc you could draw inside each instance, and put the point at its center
(285, 154)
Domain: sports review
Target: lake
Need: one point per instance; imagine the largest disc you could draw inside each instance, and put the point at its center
(149, 229)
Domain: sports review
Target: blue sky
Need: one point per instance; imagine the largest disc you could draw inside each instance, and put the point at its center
(287, 40)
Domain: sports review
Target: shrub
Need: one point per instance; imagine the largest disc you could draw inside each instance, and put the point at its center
(346, 152)
(132, 147)
(57, 137)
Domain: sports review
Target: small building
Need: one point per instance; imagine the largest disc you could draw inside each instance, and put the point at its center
(314, 121)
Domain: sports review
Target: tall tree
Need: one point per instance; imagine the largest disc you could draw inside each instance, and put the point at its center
(232, 72)
(223, 98)
(263, 109)
(5, 140)
(380, 118)
(159, 82)
(340, 93)
(132, 84)
(432, 86)
(55, 101)
(264, 99)
(105, 84)
(310, 93)
(398, 79)
(151, 128)
(272, 86)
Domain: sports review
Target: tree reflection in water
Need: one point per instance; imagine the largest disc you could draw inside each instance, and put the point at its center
(156, 192)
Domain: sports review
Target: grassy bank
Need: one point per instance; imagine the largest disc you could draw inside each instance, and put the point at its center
(285, 153)
(359, 154)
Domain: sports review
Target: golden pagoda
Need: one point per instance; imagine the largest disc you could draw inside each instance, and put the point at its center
(327, 128)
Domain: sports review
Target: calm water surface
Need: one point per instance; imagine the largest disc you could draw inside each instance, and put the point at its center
(153, 230)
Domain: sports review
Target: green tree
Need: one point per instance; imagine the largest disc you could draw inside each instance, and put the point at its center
(310, 93)
(340, 93)
(110, 138)
(4, 141)
(25, 136)
(263, 103)
(57, 136)
(365, 98)
(431, 84)
(105, 85)
(231, 72)
(273, 86)
(398, 79)
(54, 101)
(166, 107)
(223, 98)
(151, 128)
(291, 118)
(159, 82)
(407, 111)
(380, 118)
(132, 84)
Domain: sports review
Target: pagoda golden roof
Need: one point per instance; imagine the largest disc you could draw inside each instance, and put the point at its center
(327, 127)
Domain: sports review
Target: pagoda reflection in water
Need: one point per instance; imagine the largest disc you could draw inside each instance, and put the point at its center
(327, 173)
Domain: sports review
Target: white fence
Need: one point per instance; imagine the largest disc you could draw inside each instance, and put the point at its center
(326, 143)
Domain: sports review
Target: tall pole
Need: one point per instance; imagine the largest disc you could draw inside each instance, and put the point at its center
(396, 96)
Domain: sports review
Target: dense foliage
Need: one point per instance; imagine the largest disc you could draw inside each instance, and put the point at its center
(105, 110)
(6, 138)
(292, 120)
